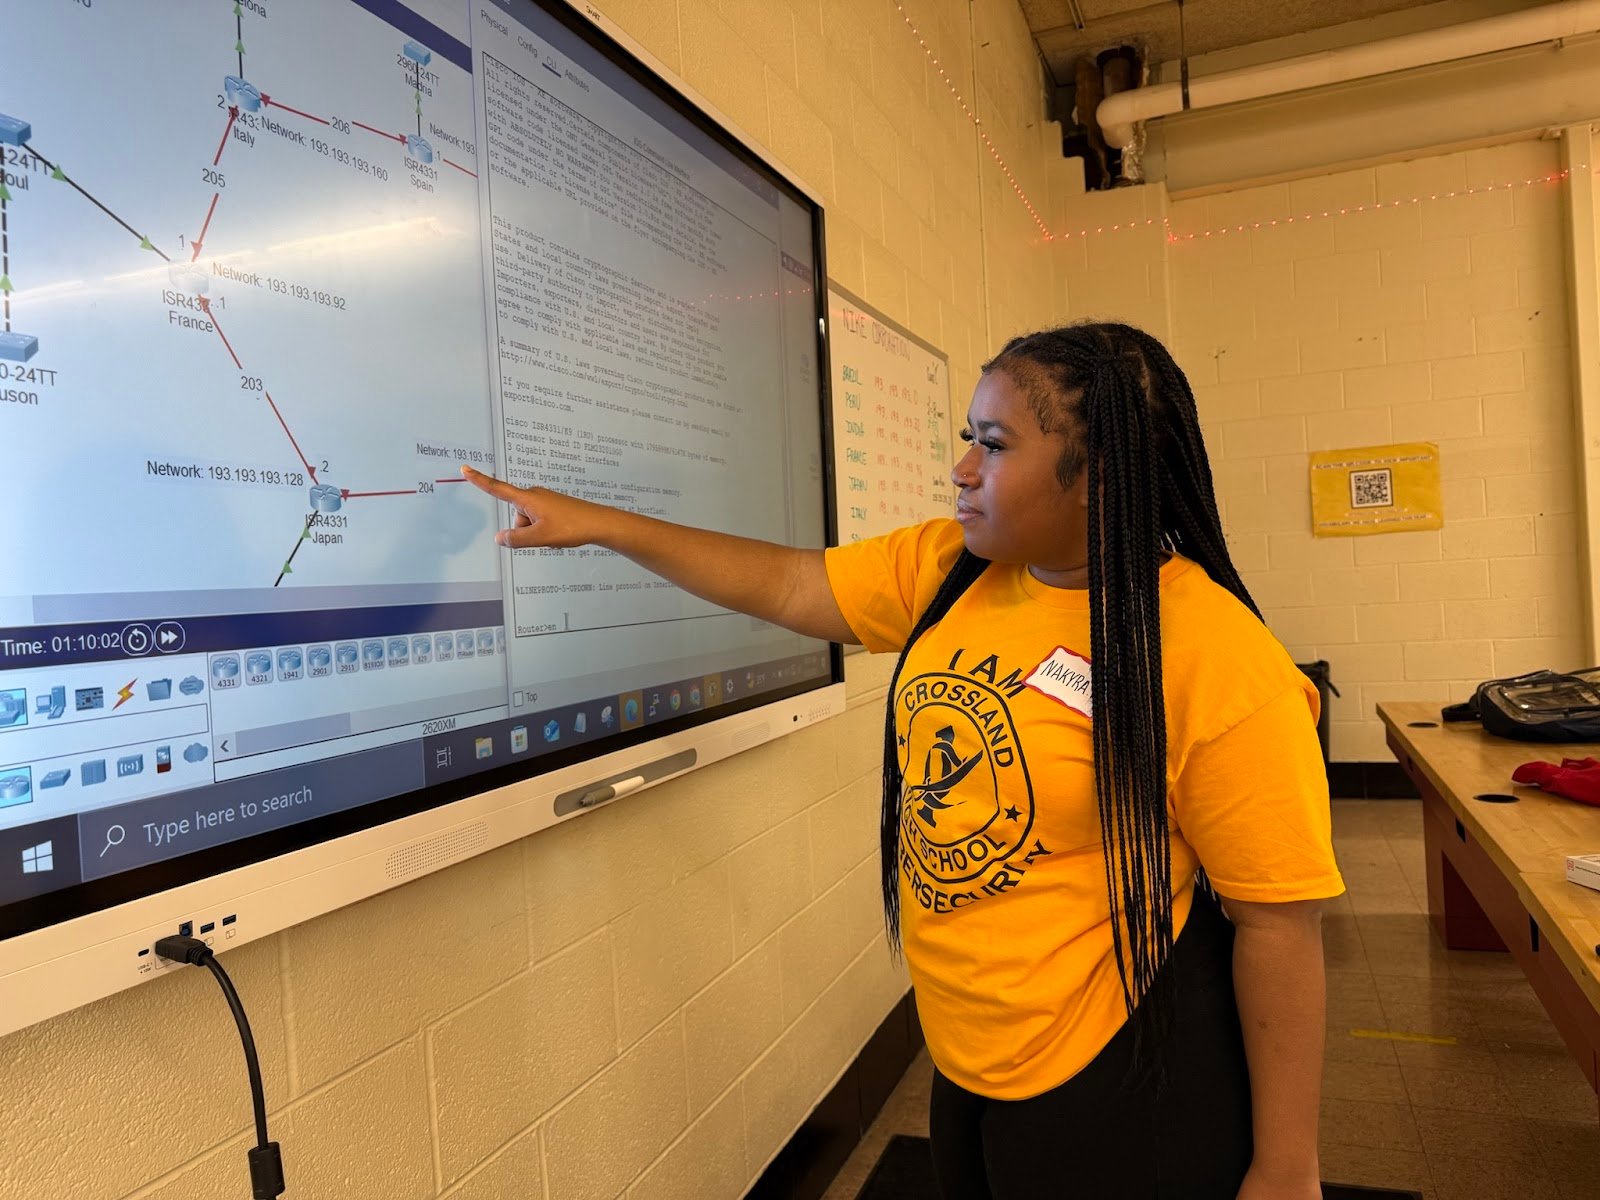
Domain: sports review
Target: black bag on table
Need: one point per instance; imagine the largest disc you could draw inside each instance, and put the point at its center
(1541, 706)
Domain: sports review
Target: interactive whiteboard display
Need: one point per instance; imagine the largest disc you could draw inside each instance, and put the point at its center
(269, 273)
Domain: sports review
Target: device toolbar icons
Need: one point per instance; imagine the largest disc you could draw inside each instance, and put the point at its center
(444, 647)
(51, 705)
(157, 690)
(399, 651)
(16, 787)
(92, 771)
(192, 685)
(291, 664)
(319, 662)
(130, 765)
(224, 672)
(55, 779)
(195, 752)
(87, 699)
(258, 667)
(372, 655)
(347, 658)
(13, 708)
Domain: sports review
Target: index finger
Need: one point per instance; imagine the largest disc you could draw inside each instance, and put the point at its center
(495, 487)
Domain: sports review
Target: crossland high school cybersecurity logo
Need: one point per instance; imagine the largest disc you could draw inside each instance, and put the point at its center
(967, 807)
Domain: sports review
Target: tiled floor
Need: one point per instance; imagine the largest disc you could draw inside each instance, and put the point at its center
(1443, 1073)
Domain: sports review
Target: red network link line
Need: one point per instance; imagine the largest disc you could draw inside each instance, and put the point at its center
(271, 103)
(233, 115)
(200, 240)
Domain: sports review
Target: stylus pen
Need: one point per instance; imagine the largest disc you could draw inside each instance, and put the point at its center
(611, 791)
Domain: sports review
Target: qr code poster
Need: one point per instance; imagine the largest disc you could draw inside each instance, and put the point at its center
(1375, 489)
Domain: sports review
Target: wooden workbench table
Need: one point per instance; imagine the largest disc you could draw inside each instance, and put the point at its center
(1497, 871)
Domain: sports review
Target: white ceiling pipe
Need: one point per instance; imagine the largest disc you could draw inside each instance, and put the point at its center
(1119, 114)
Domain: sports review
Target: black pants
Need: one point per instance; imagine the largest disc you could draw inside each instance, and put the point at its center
(1100, 1136)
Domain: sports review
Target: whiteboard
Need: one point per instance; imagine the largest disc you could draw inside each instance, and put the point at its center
(891, 422)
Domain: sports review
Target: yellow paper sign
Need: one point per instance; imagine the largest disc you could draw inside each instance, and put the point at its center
(1375, 489)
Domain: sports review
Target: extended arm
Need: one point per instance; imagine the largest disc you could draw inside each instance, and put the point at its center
(1282, 992)
(781, 584)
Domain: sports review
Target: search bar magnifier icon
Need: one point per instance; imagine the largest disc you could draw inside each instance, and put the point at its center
(114, 837)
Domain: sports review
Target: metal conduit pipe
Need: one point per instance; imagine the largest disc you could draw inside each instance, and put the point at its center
(1119, 114)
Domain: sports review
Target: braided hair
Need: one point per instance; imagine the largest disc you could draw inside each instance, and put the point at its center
(1131, 423)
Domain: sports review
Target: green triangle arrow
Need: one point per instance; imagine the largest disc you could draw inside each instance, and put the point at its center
(238, 47)
(287, 569)
(5, 284)
(305, 533)
(5, 192)
(56, 173)
(236, 11)
(145, 244)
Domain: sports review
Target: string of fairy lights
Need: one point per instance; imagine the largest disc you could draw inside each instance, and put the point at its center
(1165, 223)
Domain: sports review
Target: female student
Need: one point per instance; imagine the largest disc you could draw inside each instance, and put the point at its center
(1091, 740)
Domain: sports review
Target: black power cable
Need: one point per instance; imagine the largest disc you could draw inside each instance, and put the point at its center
(266, 1162)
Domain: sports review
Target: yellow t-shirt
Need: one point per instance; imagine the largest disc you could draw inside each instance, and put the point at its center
(1005, 919)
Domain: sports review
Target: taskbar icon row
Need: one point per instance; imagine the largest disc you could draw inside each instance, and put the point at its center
(463, 751)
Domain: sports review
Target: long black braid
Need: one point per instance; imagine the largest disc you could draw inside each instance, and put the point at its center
(1131, 422)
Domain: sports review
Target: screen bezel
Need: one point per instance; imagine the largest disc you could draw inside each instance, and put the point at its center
(51, 911)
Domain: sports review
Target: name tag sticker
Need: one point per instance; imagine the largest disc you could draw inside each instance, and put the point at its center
(1065, 678)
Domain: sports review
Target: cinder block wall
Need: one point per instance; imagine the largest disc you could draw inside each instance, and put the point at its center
(647, 1001)
(1443, 321)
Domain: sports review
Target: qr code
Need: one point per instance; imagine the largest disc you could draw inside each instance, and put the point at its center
(1372, 489)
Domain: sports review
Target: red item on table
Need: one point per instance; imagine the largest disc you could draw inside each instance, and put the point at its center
(1575, 778)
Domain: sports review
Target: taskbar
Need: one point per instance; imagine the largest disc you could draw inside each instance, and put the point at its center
(64, 851)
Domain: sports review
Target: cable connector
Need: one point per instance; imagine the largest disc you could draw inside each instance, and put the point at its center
(266, 1172)
(188, 950)
(266, 1162)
